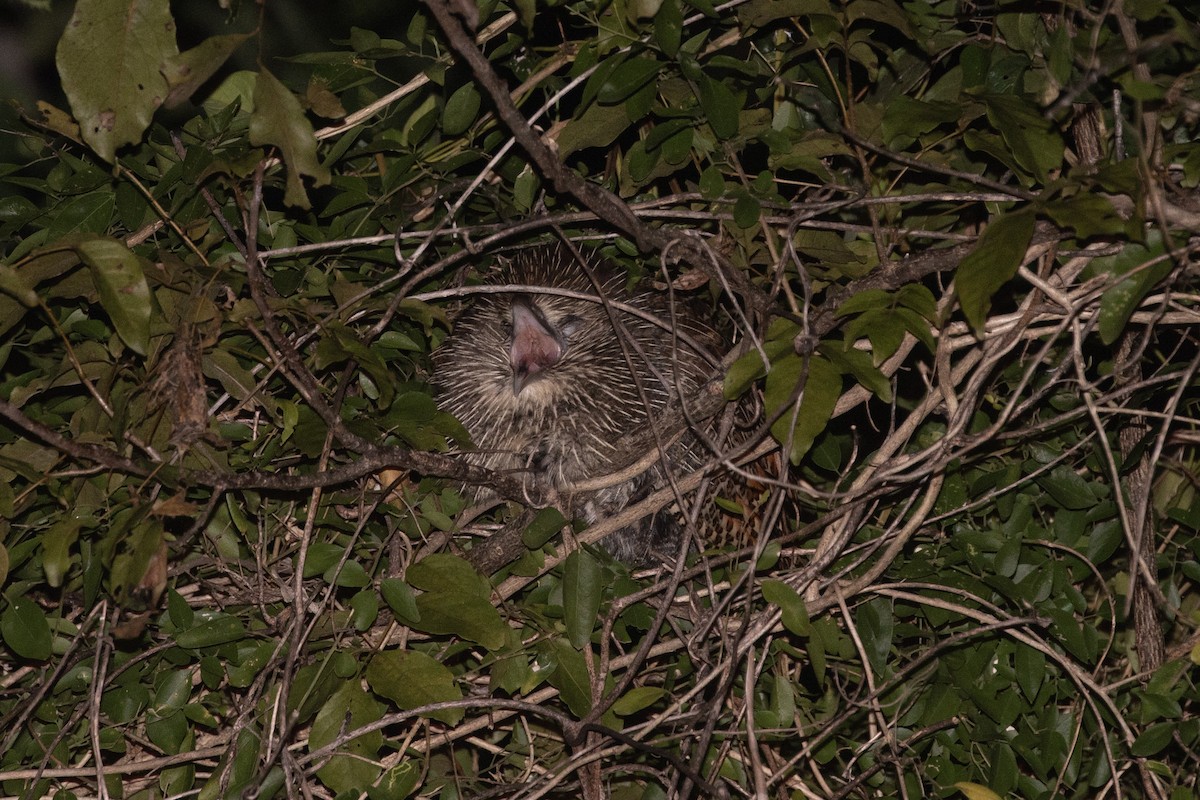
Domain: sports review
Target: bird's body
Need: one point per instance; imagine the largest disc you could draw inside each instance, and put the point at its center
(550, 390)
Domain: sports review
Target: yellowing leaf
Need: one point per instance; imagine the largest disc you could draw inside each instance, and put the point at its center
(122, 287)
(278, 119)
(975, 791)
(109, 59)
(187, 70)
(12, 282)
(56, 547)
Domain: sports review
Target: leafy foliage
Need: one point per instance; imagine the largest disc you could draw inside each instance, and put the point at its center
(956, 244)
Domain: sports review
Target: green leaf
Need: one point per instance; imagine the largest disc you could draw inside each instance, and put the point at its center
(1073, 636)
(174, 691)
(906, 119)
(1068, 488)
(822, 389)
(134, 546)
(412, 679)
(1145, 267)
(1154, 739)
(749, 367)
(712, 183)
(221, 629)
(461, 110)
(252, 660)
(570, 676)
(397, 782)
(87, 213)
(1030, 666)
(168, 733)
(638, 698)
(879, 12)
(865, 300)
(546, 523)
(353, 766)
(1090, 215)
(236, 768)
(885, 330)
(1030, 138)
(468, 616)
(582, 590)
(25, 629)
(668, 27)
(445, 572)
(626, 79)
(876, 627)
(757, 13)
(918, 298)
(975, 791)
(123, 289)
(351, 574)
(746, 211)
(720, 105)
(109, 58)
(599, 126)
(223, 366)
(509, 674)
(279, 120)
(400, 599)
(1104, 540)
(992, 264)
(321, 556)
(795, 612)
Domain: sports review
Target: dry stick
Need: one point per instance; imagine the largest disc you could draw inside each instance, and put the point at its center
(882, 563)
(373, 459)
(145, 765)
(607, 206)
(306, 384)
(604, 204)
(507, 546)
(665, 208)
(814, 740)
(534, 706)
(1081, 678)
(363, 114)
(1148, 633)
(99, 671)
(973, 365)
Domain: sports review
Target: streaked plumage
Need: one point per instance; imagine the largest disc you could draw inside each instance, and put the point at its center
(544, 387)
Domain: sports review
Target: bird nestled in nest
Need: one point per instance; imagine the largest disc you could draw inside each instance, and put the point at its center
(551, 386)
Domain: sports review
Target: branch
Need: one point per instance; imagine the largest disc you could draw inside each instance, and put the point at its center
(604, 204)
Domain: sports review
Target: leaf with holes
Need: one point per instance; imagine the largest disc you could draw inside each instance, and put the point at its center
(109, 58)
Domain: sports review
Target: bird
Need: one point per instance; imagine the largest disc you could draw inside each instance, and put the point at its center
(550, 381)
